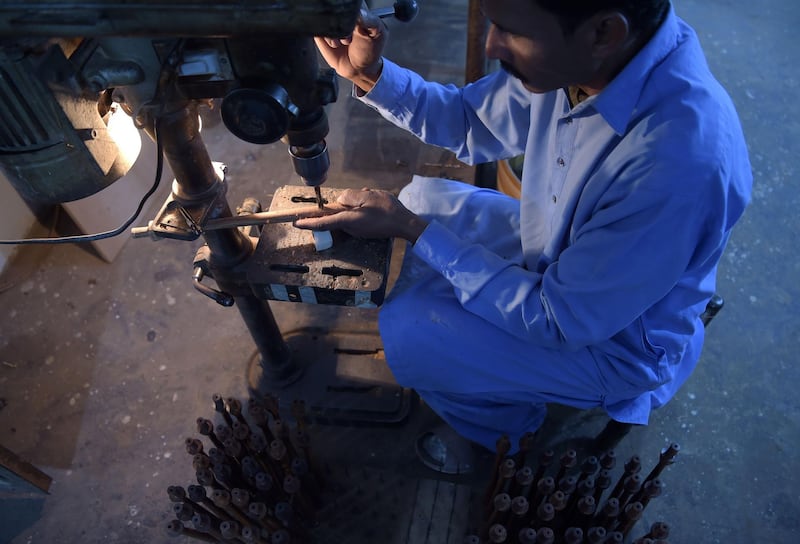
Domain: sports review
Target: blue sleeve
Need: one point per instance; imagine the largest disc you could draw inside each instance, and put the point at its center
(627, 256)
(481, 122)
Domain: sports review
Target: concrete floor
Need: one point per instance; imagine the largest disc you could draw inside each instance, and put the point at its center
(106, 366)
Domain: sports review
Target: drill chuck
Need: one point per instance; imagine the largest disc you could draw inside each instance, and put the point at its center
(311, 163)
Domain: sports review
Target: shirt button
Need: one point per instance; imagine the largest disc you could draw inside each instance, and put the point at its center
(568, 120)
(561, 161)
(554, 199)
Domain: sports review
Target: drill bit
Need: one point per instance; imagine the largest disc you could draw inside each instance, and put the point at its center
(318, 192)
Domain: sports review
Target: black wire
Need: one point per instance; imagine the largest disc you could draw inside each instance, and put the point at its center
(108, 234)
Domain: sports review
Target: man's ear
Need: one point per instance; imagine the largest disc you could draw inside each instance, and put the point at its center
(609, 32)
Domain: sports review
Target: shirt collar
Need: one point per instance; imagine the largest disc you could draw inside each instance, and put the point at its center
(616, 103)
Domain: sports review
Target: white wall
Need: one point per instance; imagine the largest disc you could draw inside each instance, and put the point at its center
(16, 219)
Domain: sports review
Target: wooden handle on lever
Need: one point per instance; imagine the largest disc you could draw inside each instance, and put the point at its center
(284, 215)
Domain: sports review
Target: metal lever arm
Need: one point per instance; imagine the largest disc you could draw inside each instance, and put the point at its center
(223, 299)
(402, 10)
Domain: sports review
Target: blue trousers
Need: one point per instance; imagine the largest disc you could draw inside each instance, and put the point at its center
(482, 381)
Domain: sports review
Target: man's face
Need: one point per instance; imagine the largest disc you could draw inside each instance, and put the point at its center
(530, 44)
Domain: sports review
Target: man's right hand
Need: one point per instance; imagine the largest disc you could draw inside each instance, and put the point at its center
(369, 213)
(357, 57)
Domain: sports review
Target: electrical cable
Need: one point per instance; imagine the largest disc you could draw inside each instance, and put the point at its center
(111, 233)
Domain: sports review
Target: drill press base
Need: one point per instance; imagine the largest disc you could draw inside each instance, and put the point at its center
(344, 381)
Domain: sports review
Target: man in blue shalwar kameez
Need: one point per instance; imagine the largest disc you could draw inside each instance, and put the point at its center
(588, 290)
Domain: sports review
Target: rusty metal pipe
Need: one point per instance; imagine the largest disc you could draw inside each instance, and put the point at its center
(497, 534)
(585, 509)
(596, 535)
(206, 428)
(252, 536)
(573, 535)
(303, 441)
(545, 460)
(260, 417)
(519, 512)
(281, 536)
(545, 513)
(222, 499)
(525, 444)
(630, 487)
(608, 460)
(230, 530)
(183, 511)
(292, 487)
(219, 407)
(544, 488)
(608, 514)
(176, 528)
(501, 504)
(259, 512)
(505, 473)
(298, 410)
(291, 521)
(567, 460)
(300, 469)
(658, 531)
(206, 524)
(631, 515)
(526, 535)
(665, 459)
(650, 490)
(193, 446)
(601, 483)
(502, 447)
(234, 407)
(197, 493)
(589, 467)
(522, 482)
(632, 466)
(545, 535)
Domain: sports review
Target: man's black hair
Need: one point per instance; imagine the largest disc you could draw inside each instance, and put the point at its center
(644, 16)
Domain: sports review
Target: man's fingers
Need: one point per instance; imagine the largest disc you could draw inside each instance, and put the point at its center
(332, 43)
(369, 24)
(315, 223)
(326, 222)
